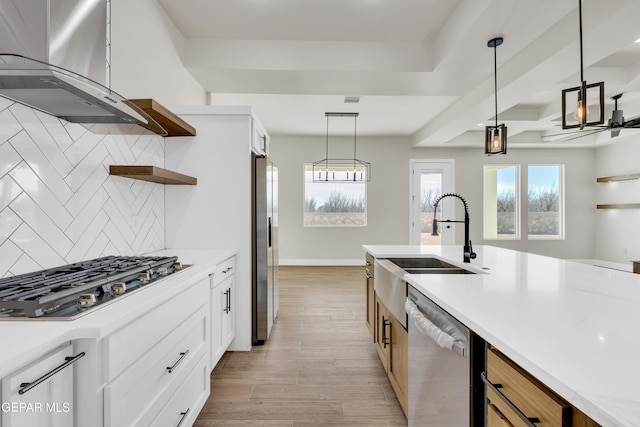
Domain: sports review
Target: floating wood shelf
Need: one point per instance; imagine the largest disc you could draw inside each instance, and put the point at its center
(153, 174)
(619, 177)
(619, 206)
(173, 124)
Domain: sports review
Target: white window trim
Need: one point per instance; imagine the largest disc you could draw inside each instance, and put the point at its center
(562, 227)
(518, 219)
(304, 198)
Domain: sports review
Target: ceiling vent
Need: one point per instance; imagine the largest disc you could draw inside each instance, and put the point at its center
(351, 99)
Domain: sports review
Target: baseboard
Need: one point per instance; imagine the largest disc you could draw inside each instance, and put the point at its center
(323, 262)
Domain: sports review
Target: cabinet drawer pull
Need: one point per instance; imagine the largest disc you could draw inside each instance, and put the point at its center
(385, 339)
(180, 359)
(227, 295)
(226, 270)
(529, 421)
(183, 416)
(368, 274)
(25, 387)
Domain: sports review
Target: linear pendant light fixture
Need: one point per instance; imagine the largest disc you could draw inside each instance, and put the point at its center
(495, 137)
(581, 115)
(341, 170)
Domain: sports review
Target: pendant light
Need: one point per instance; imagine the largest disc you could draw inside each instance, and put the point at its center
(581, 115)
(495, 137)
(342, 170)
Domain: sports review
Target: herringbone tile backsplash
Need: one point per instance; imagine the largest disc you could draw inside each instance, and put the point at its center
(58, 203)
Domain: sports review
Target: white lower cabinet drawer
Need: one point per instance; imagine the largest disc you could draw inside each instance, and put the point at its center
(137, 338)
(151, 380)
(224, 270)
(184, 406)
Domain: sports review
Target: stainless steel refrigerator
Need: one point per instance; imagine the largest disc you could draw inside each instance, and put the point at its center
(265, 295)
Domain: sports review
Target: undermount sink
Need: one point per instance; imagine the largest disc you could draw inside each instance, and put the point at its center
(427, 266)
(390, 286)
(447, 270)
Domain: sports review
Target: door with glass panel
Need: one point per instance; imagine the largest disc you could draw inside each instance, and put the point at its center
(429, 180)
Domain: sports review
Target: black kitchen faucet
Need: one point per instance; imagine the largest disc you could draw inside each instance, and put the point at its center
(467, 253)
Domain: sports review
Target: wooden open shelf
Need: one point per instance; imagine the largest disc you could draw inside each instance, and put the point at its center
(173, 124)
(153, 174)
(619, 177)
(619, 206)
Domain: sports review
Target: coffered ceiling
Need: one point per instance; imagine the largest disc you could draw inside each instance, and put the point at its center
(421, 68)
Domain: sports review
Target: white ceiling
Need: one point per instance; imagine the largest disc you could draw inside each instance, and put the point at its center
(421, 68)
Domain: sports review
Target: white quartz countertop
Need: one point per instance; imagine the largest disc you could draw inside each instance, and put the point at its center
(24, 340)
(571, 325)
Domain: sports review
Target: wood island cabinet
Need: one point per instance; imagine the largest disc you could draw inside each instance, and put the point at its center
(390, 338)
(370, 293)
(392, 344)
(510, 389)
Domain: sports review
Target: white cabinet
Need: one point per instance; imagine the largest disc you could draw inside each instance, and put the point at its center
(41, 393)
(259, 139)
(222, 308)
(149, 361)
(217, 211)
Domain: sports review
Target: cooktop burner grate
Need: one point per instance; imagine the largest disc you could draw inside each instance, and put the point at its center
(68, 291)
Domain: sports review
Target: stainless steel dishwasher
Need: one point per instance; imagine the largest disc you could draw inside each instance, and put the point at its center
(443, 390)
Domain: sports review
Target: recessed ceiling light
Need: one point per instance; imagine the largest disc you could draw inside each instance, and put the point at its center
(638, 41)
(480, 124)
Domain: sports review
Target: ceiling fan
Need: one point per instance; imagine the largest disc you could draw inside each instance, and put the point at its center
(614, 124)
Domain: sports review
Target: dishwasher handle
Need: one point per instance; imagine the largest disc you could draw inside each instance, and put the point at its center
(426, 327)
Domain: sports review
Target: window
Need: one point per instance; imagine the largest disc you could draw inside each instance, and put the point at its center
(333, 204)
(546, 201)
(501, 201)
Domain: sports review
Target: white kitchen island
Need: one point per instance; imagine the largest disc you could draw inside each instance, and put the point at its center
(573, 326)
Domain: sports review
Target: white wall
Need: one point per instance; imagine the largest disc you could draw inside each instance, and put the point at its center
(388, 198)
(617, 230)
(146, 55)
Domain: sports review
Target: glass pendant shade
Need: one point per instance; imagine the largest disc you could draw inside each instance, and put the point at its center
(495, 139)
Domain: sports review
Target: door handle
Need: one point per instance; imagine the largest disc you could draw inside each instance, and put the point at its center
(385, 339)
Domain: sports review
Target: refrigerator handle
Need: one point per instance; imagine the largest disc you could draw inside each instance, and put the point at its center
(269, 237)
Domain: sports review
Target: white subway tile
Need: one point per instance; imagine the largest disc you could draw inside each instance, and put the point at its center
(41, 223)
(9, 222)
(9, 125)
(10, 254)
(35, 188)
(9, 190)
(41, 165)
(9, 158)
(29, 241)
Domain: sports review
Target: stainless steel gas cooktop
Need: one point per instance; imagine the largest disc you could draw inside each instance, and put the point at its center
(70, 291)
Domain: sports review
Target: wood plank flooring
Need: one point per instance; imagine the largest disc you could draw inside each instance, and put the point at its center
(318, 368)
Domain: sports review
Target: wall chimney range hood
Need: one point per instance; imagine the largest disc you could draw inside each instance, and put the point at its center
(56, 62)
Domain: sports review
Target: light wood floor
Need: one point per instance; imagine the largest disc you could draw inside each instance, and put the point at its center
(318, 368)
